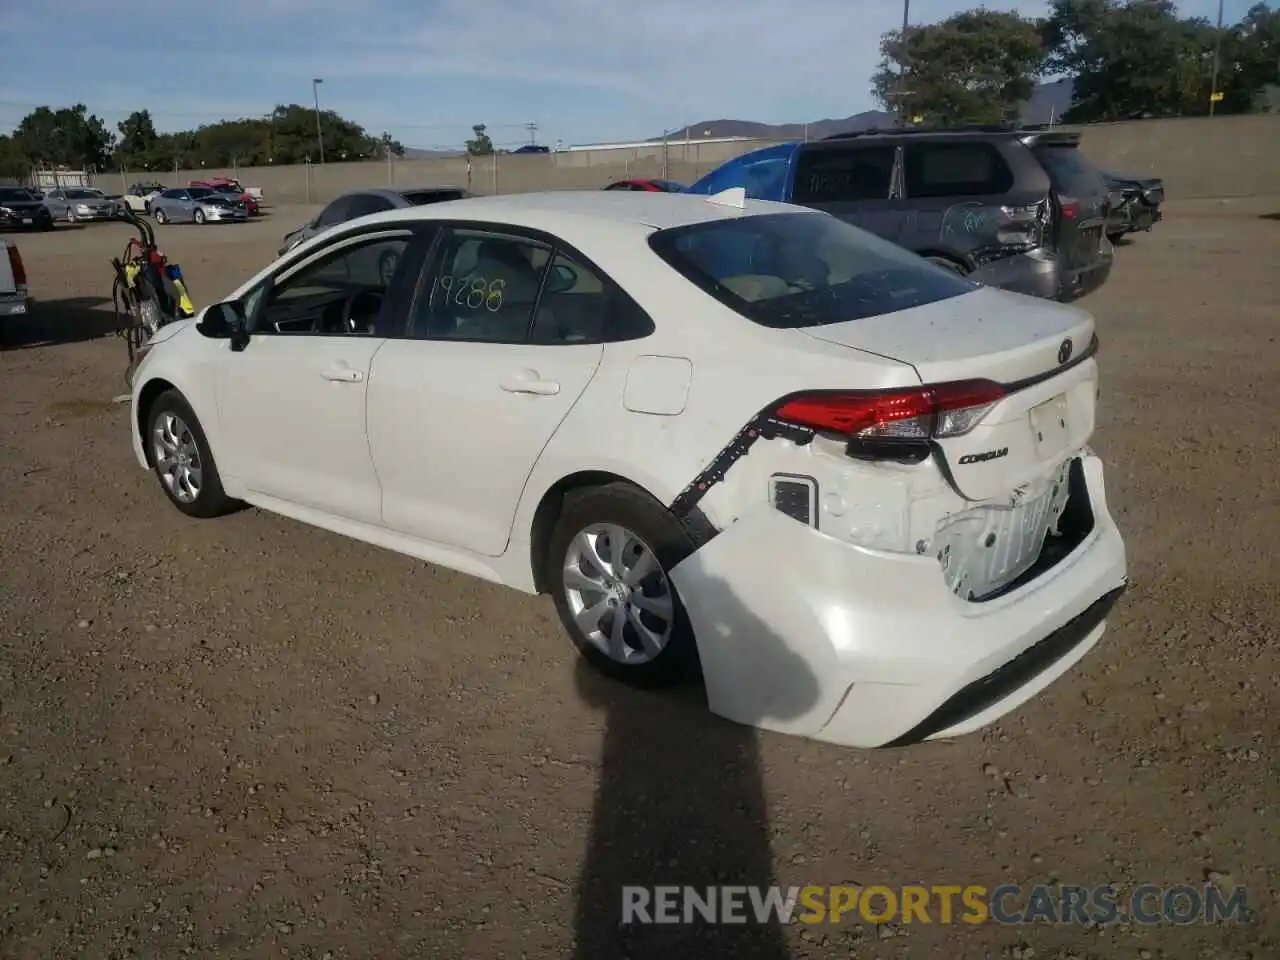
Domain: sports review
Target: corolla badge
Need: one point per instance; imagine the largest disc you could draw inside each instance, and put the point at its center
(1064, 351)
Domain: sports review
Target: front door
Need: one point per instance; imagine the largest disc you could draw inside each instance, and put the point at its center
(293, 401)
(461, 409)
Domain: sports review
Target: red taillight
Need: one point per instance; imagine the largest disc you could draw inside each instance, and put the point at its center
(16, 268)
(915, 413)
(1070, 210)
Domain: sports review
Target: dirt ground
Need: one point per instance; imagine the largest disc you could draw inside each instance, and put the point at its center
(248, 738)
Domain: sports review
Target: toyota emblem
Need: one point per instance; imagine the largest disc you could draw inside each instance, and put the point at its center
(1064, 351)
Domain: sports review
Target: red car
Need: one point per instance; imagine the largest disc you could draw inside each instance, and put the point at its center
(231, 188)
(647, 186)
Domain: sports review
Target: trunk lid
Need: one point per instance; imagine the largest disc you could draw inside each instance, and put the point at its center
(1031, 346)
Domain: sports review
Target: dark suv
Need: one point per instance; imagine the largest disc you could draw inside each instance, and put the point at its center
(1009, 208)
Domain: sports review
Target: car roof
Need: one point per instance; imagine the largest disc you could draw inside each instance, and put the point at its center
(544, 210)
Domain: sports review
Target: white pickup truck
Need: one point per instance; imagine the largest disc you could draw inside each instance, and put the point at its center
(13, 282)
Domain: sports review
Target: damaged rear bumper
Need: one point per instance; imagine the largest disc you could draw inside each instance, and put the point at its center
(801, 633)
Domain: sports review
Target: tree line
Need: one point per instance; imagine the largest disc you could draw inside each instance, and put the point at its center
(73, 137)
(1129, 59)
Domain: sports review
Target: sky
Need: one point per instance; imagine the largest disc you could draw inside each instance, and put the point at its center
(425, 70)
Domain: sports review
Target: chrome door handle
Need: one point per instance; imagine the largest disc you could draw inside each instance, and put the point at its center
(343, 375)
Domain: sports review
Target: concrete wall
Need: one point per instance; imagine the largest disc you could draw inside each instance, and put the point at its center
(1197, 157)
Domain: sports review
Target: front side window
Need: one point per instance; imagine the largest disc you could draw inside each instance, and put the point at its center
(844, 174)
(482, 287)
(339, 294)
(789, 270)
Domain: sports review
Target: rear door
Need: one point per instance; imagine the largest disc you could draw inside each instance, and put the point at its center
(1081, 196)
(851, 181)
(493, 359)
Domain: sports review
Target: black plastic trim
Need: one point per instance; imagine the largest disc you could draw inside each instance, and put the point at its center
(1018, 672)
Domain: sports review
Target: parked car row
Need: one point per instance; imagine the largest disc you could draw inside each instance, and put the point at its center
(200, 201)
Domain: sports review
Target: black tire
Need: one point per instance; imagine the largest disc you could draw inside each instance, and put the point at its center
(946, 264)
(210, 499)
(629, 507)
(1115, 237)
(160, 215)
(197, 216)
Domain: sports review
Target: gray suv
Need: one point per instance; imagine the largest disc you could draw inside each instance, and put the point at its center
(1018, 209)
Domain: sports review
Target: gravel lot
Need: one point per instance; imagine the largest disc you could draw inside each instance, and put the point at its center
(248, 738)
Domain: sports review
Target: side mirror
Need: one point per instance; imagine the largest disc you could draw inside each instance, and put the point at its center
(226, 321)
(563, 278)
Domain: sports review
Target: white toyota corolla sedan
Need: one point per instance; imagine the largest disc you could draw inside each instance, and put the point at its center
(739, 439)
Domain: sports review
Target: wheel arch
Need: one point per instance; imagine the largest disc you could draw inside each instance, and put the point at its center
(552, 503)
(147, 396)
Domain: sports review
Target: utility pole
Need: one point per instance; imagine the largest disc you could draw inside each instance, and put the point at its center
(532, 127)
(1217, 55)
(315, 95)
(902, 65)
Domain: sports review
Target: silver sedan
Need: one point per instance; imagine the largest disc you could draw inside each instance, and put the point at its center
(197, 205)
(79, 203)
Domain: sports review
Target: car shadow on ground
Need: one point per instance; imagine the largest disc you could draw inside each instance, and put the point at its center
(1270, 216)
(681, 803)
(51, 322)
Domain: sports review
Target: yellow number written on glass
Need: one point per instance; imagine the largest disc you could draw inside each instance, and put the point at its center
(471, 292)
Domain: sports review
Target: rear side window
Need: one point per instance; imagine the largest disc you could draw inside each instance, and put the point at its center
(335, 212)
(363, 204)
(432, 196)
(803, 269)
(843, 175)
(1070, 171)
(954, 170)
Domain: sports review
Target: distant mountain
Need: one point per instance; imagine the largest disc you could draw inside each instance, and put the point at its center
(1048, 102)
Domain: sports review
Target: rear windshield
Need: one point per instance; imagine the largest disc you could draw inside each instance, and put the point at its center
(14, 194)
(432, 196)
(1071, 172)
(786, 270)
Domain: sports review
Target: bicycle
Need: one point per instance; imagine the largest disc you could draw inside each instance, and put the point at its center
(148, 291)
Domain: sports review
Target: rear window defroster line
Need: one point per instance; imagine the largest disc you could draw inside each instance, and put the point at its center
(764, 426)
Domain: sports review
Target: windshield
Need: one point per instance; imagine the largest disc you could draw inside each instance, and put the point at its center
(788, 270)
(14, 194)
(1071, 171)
(200, 192)
(83, 195)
